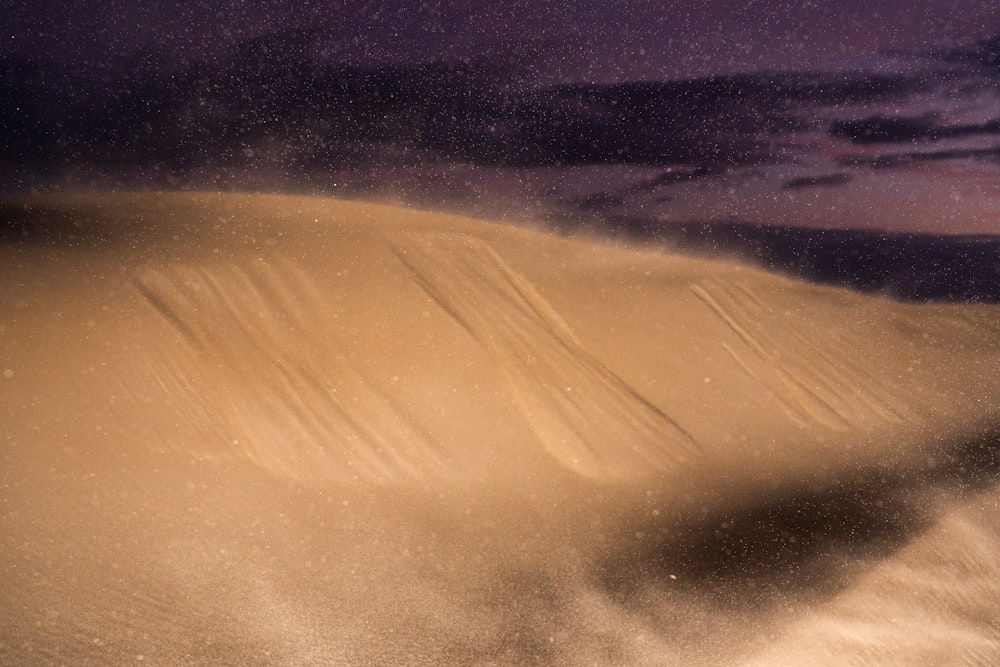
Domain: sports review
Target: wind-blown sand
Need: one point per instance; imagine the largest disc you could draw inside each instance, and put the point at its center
(277, 430)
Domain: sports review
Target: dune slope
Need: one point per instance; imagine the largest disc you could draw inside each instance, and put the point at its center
(279, 430)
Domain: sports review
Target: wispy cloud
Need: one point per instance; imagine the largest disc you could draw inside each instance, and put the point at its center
(900, 160)
(825, 181)
(880, 129)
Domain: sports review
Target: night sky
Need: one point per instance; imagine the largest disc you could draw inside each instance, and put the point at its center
(881, 114)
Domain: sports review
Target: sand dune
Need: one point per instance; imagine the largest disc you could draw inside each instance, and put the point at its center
(277, 430)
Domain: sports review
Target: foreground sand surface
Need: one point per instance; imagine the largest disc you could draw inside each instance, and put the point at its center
(247, 429)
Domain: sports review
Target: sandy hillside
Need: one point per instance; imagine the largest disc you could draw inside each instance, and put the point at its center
(245, 429)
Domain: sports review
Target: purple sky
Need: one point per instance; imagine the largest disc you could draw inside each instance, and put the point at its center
(878, 114)
(603, 40)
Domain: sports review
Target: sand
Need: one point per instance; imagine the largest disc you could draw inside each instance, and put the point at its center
(249, 429)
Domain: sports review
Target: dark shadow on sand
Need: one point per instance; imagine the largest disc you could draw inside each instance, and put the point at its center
(802, 541)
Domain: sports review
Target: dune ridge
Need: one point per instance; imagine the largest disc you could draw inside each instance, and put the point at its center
(587, 417)
(263, 324)
(821, 385)
(284, 430)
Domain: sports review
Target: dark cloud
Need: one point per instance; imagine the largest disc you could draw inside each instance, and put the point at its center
(676, 175)
(599, 202)
(709, 123)
(984, 55)
(901, 160)
(826, 181)
(883, 129)
(280, 104)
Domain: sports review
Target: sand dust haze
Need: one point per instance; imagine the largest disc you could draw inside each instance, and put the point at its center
(247, 429)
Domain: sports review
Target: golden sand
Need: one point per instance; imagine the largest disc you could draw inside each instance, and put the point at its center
(248, 429)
